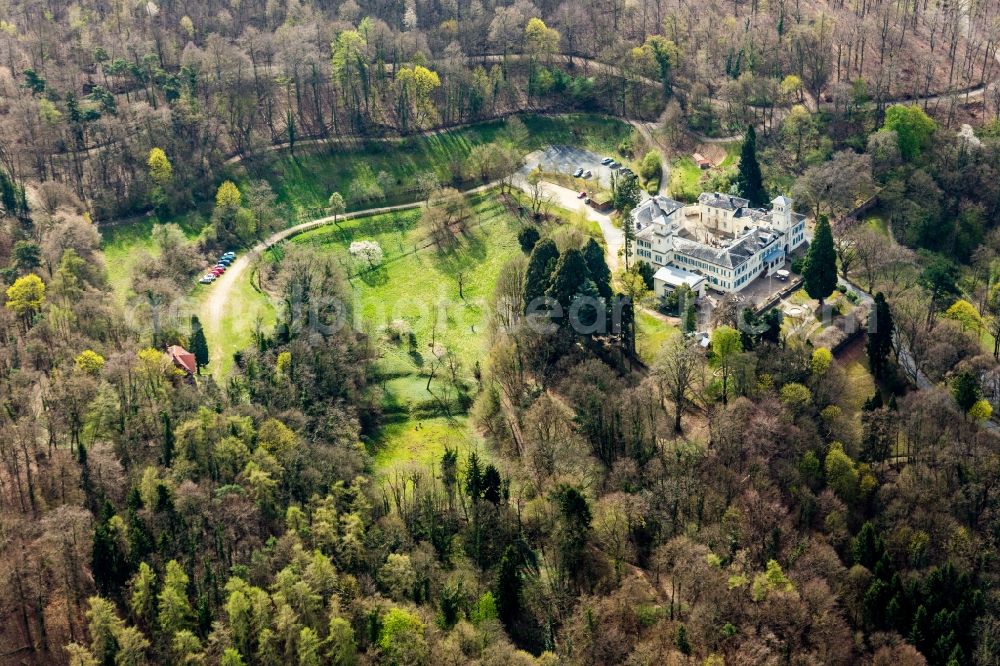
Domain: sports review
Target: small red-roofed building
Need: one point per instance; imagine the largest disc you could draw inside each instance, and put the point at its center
(182, 358)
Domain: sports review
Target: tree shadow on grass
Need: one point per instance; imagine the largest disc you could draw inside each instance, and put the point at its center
(468, 251)
(417, 358)
(375, 277)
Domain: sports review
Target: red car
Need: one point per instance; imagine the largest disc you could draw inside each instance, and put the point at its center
(581, 195)
(217, 271)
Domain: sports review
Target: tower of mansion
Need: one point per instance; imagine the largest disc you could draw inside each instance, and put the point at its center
(719, 238)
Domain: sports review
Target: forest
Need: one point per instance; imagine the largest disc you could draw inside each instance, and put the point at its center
(774, 491)
(90, 87)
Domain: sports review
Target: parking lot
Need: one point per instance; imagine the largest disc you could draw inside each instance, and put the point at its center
(567, 159)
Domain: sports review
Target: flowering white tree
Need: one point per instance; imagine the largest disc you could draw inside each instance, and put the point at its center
(367, 251)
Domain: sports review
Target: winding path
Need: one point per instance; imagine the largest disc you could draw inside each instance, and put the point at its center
(587, 65)
(215, 307)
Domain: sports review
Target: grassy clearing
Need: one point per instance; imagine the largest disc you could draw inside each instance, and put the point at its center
(688, 180)
(422, 442)
(861, 384)
(413, 286)
(125, 245)
(651, 334)
(732, 154)
(304, 182)
(986, 340)
(685, 179)
(421, 289)
(877, 223)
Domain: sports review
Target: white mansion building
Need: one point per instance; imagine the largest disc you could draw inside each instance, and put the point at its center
(719, 242)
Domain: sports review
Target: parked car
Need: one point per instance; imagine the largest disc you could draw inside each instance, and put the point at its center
(207, 279)
(225, 261)
(588, 174)
(613, 165)
(581, 195)
(578, 173)
(606, 161)
(217, 271)
(230, 254)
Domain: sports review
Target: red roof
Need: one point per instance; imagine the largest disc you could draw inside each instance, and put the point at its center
(182, 358)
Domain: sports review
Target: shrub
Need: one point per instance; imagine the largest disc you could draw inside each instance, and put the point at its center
(821, 360)
(527, 239)
(981, 410)
(651, 165)
(397, 329)
(646, 271)
(796, 396)
(627, 144)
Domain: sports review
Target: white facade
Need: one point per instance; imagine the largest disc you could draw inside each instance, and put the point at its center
(720, 238)
(669, 278)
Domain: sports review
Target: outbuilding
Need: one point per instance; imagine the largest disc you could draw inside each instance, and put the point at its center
(182, 359)
(668, 278)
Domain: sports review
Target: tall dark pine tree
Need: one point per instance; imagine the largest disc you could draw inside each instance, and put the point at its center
(449, 473)
(598, 267)
(508, 587)
(574, 529)
(199, 345)
(492, 485)
(820, 274)
(474, 478)
(167, 451)
(749, 180)
(541, 264)
(880, 332)
(108, 562)
(570, 275)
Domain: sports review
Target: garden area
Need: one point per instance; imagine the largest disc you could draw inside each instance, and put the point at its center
(378, 172)
(427, 313)
(425, 308)
(688, 180)
(651, 333)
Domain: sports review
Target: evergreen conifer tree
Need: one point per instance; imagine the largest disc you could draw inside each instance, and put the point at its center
(880, 332)
(567, 280)
(598, 267)
(199, 345)
(749, 180)
(820, 273)
(537, 277)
